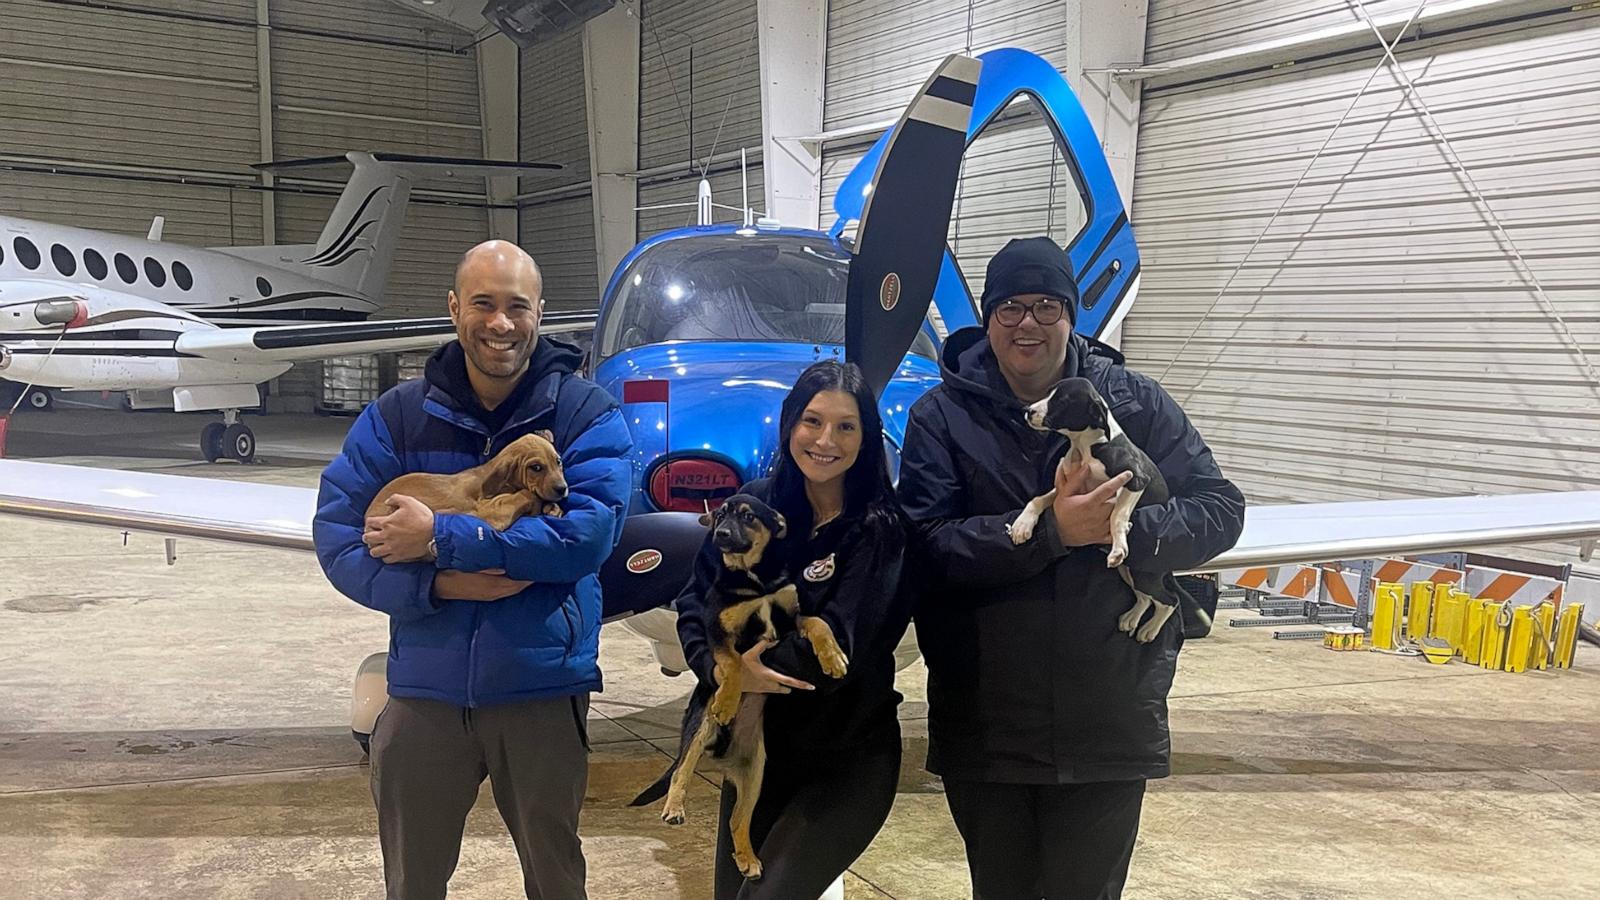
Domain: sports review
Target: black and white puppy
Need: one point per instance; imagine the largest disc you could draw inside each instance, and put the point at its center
(1075, 409)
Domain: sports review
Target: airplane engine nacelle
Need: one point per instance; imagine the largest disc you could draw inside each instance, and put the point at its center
(69, 311)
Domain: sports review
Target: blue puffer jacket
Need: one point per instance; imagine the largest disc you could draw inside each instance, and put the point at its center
(542, 642)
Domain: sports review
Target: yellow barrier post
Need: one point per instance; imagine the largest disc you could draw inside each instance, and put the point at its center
(1472, 640)
(1567, 635)
(1386, 606)
(1419, 613)
(1494, 637)
(1519, 645)
(1544, 633)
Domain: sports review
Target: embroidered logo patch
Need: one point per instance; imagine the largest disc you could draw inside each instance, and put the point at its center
(821, 570)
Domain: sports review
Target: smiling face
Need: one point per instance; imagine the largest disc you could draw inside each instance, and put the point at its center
(1031, 355)
(826, 439)
(496, 308)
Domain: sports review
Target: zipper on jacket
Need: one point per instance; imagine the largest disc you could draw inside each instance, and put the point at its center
(472, 652)
(488, 444)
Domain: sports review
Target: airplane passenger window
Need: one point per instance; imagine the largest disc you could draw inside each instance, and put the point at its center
(27, 253)
(66, 263)
(95, 263)
(181, 276)
(154, 272)
(125, 268)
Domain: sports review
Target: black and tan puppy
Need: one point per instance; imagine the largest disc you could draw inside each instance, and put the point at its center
(524, 477)
(1075, 409)
(751, 600)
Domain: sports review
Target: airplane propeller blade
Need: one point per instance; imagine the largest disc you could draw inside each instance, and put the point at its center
(901, 239)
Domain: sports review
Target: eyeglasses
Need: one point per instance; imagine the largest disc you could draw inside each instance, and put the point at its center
(1045, 312)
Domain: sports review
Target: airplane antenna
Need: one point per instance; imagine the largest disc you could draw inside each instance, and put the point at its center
(703, 203)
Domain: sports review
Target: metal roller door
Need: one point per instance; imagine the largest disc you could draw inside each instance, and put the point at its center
(1014, 183)
(1381, 339)
(556, 216)
(106, 109)
(699, 98)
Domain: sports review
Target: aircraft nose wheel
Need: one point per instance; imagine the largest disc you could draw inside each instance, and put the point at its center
(39, 399)
(236, 442)
(239, 443)
(211, 441)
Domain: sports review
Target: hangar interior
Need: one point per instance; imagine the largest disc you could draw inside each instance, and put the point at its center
(1366, 274)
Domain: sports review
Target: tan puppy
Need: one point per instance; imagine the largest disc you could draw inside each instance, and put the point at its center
(524, 477)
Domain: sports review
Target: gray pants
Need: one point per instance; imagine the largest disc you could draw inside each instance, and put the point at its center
(428, 760)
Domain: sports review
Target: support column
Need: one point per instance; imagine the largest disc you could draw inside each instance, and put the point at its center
(792, 48)
(499, 86)
(611, 99)
(269, 206)
(1111, 35)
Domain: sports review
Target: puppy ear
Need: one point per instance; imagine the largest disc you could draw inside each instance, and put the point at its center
(705, 518)
(548, 435)
(782, 530)
(502, 477)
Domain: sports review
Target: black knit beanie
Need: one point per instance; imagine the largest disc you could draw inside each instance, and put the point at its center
(1035, 265)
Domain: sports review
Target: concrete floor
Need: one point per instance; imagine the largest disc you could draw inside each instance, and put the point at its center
(183, 732)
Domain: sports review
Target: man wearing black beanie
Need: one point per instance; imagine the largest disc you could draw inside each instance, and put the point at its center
(1044, 720)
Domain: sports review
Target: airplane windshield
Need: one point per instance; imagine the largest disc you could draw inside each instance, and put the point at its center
(725, 287)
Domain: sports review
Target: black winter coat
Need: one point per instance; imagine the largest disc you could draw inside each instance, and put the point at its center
(850, 575)
(1029, 680)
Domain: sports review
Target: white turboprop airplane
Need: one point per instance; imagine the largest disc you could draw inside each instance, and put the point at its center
(201, 328)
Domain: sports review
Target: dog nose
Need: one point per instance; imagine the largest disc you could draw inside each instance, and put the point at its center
(560, 491)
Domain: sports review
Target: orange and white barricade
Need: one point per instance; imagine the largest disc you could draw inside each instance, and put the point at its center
(1515, 588)
(1296, 582)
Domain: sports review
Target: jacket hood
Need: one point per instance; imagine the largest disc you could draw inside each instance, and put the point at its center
(968, 364)
(446, 369)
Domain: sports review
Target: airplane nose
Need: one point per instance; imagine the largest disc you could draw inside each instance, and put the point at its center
(5, 356)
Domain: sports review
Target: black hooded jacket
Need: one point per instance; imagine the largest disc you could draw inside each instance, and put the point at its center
(1029, 680)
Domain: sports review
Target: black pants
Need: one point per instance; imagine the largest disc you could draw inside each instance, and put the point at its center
(808, 828)
(1059, 842)
(428, 760)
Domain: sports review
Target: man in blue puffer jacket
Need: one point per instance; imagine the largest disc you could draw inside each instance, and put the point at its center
(493, 636)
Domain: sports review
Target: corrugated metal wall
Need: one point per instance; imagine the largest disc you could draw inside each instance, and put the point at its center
(699, 91)
(1379, 342)
(557, 226)
(127, 94)
(126, 101)
(1013, 183)
(1178, 29)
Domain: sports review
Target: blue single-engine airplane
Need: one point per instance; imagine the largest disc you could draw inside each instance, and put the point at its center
(703, 330)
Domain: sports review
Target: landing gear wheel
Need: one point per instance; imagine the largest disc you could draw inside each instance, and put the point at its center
(211, 441)
(38, 398)
(239, 443)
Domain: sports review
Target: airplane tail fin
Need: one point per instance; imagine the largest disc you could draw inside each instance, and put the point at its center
(358, 242)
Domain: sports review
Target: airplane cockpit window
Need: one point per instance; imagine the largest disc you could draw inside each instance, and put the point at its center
(66, 263)
(27, 253)
(181, 276)
(264, 286)
(126, 270)
(95, 263)
(780, 288)
(154, 272)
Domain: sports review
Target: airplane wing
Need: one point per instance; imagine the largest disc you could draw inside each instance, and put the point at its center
(279, 516)
(297, 343)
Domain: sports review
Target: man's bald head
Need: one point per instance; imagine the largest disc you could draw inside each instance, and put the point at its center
(496, 305)
(501, 257)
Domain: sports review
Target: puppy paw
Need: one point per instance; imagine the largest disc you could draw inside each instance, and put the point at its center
(672, 815)
(1116, 557)
(1128, 621)
(552, 510)
(833, 661)
(1022, 528)
(748, 865)
(723, 707)
(1149, 630)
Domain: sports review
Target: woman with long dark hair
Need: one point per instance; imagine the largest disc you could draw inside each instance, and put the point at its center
(833, 745)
